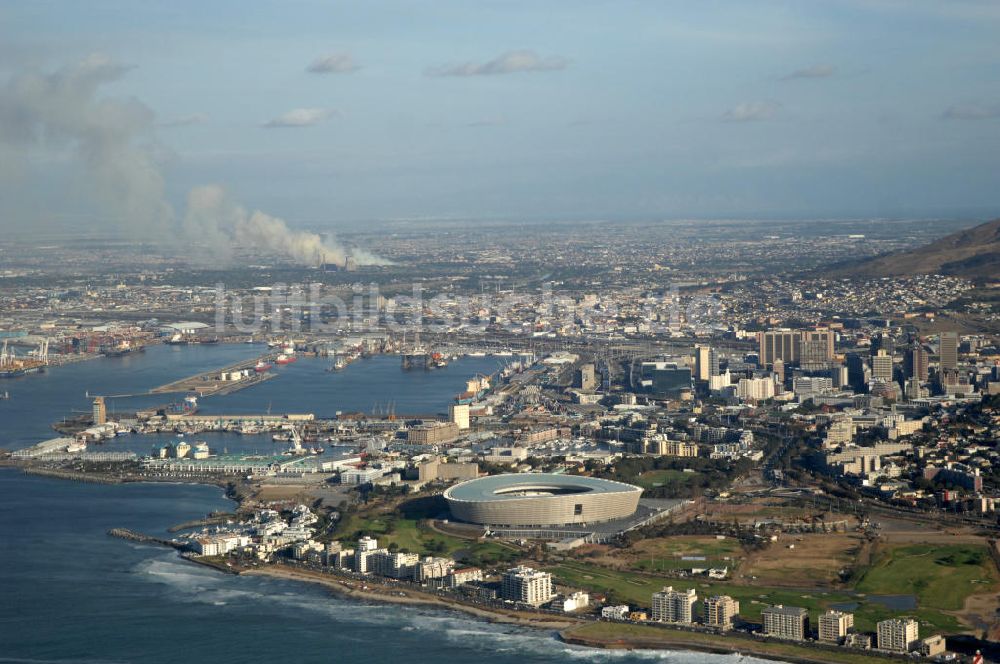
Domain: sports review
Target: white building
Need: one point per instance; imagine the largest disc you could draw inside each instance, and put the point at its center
(459, 414)
(526, 585)
(898, 635)
(675, 606)
(755, 389)
(358, 476)
(618, 612)
(834, 625)
(720, 611)
(573, 602)
(786, 622)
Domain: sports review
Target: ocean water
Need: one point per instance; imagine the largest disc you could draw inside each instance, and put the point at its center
(367, 385)
(70, 593)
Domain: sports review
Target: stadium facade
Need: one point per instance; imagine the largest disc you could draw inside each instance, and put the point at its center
(535, 500)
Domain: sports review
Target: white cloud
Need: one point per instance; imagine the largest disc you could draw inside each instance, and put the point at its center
(749, 111)
(185, 120)
(300, 117)
(972, 112)
(816, 71)
(511, 62)
(335, 63)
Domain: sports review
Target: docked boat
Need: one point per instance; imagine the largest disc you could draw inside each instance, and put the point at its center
(261, 366)
(284, 359)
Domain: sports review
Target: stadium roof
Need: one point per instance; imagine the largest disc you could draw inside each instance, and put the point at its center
(515, 486)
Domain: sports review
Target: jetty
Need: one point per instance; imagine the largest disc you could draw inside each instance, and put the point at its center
(133, 536)
(226, 380)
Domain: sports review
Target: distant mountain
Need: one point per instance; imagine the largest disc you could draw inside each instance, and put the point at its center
(973, 253)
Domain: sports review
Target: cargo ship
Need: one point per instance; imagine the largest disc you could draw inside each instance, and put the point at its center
(12, 366)
(123, 349)
(474, 389)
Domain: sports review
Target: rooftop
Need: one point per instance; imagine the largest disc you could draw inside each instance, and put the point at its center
(511, 487)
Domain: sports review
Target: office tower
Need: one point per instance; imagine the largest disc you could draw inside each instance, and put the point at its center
(882, 367)
(720, 611)
(824, 337)
(915, 363)
(786, 622)
(948, 351)
(675, 606)
(526, 585)
(100, 411)
(706, 362)
(834, 625)
(778, 369)
(781, 344)
(459, 414)
(882, 341)
(585, 378)
(856, 377)
(815, 348)
(898, 634)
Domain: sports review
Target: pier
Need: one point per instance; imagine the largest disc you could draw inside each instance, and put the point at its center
(133, 536)
(226, 380)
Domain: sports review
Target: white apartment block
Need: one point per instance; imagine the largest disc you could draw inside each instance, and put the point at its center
(834, 626)
(526, 585)
(898, 635)
(675, 606)
(720, 610)
(786, 622)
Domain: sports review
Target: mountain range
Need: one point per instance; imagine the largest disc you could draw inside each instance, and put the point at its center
(973, 253)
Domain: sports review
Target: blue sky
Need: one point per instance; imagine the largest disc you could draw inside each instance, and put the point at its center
(539, 109)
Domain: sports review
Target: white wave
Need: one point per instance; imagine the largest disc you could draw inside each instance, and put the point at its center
(204, 586)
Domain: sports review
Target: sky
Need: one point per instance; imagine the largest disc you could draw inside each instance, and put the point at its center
(345, 113)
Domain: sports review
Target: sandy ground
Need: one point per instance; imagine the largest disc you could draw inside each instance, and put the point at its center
(815, 559)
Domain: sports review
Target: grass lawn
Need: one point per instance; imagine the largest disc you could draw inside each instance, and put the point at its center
(667, 553)
(654, 478)
(647, 636)
(636, 589)
(941, 576)
(417, 537)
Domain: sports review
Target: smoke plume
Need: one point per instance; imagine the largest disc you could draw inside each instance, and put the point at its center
(63, 110)
(223, 225)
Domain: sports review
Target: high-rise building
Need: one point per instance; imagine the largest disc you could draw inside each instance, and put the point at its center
(674, 606)
(585, 378)
(778, 369)
(882, 367)
(915, 363)
(816, 349)
(459, 414)
(781, 344)
(834, 625)
(898, 634)
(786, 622)
(706, 362)
(720, 610)
(882, 341)
(100, 411)
(756, 389)
(856, 377)
(948, 350)
(823, 338)
(526, 585)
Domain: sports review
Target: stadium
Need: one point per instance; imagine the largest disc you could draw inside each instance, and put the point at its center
(541, 500)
